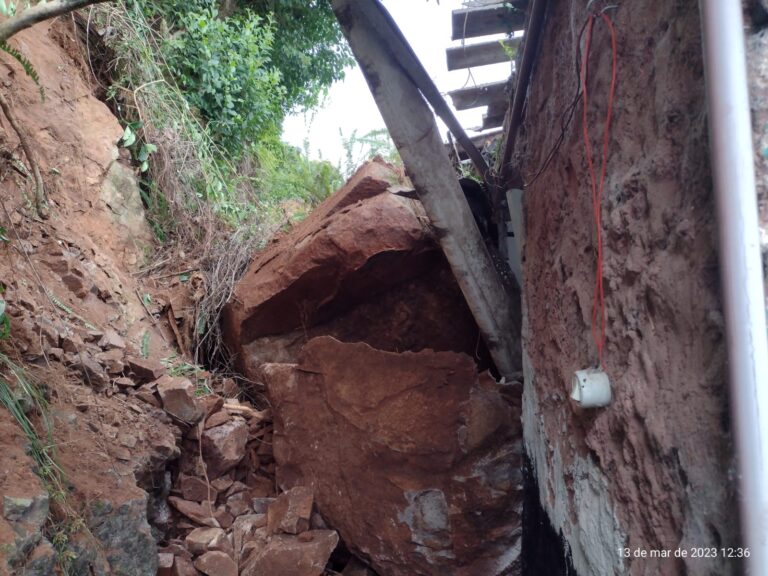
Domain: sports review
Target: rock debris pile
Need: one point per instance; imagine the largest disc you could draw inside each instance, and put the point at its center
(371, 440)
(356, 328)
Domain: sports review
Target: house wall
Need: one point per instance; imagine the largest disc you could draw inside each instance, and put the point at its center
(653, 471)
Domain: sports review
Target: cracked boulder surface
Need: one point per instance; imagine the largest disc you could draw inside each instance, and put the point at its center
(363, 267)
(412, 457)
(370, 356)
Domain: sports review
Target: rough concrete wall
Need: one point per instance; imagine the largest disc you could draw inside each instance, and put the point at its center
(654, 470)
(757, 56)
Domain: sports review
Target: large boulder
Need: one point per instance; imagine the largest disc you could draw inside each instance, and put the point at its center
(412, 457)
(363, 267)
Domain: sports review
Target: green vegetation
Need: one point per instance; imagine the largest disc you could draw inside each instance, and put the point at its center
(224, 69)
(359, 148)
(29, 69)
(25, 399)
(309, 181)
(204, 95)
(309, 48)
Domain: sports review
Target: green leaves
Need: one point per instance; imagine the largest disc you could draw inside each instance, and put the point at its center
(243, 73)
(309, 48)
(143, 156)
(142, 152)
(21, 59)
(287, 173)
(510, 51)
(129, 137)
(226, 74)
(8, 7)
(5, 322)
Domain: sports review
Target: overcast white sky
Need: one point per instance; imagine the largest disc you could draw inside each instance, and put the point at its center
(350, 106)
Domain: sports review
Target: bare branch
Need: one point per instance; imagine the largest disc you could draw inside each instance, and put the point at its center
(38, 13)
(41, 202)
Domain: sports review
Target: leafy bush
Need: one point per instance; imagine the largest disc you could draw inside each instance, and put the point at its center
(244, 71)
(223, 67)
(309, 48)
(286, 173)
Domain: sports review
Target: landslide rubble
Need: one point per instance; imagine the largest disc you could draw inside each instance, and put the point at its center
(370, 439)
(148, 449)
(382, 403)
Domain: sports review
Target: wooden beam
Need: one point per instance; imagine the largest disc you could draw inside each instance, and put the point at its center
(480, 54)
(502, 18)
(414, 131)
(494, 117)
(532, 37)
(480, 141)
(480, 95)
(402, 52)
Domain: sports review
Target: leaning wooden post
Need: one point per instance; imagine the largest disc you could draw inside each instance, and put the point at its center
(414, 131)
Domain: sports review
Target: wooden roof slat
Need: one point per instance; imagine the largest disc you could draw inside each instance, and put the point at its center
(480, 95)
(479, 141)
(480, 54)
(502, 18)
(496, 108)
(493, 120)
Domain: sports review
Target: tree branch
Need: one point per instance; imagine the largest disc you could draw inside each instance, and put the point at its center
(38, 13)
(41, 202)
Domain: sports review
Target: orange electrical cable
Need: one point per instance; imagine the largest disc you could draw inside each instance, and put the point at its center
(598, 187)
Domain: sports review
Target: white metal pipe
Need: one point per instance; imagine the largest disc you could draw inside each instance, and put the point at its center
(740, 265)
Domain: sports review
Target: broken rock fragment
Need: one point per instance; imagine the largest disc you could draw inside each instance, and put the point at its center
(291, 511)
(217, 419)
(92, 372)
(198, 513)
(178, 397)
(285, 555)
(144, 369)
(196, 489)
(164, 564)
(184, 567)
(245, 529)
(111, 340)
(224, 446)
(202, 540)
(216, 564)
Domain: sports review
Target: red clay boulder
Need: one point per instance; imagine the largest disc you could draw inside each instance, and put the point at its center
(412, 457)
(363, 267)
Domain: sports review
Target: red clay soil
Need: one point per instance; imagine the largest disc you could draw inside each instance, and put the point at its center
(68, 283)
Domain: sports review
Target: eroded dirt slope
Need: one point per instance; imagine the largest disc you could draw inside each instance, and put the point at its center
(76, 317)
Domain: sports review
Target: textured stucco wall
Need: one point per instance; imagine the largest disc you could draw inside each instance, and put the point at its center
(654, 471)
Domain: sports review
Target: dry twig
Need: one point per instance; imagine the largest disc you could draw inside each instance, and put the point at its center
(41, 202)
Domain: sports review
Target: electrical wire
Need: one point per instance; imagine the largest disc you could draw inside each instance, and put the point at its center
(598, 185)
(566, 117)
